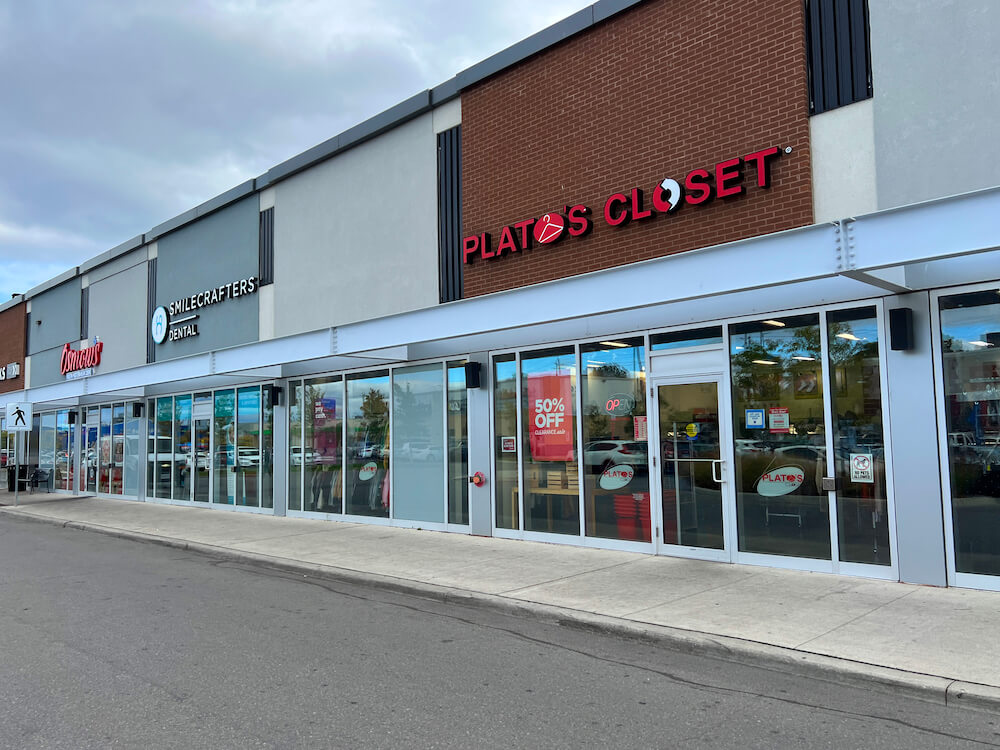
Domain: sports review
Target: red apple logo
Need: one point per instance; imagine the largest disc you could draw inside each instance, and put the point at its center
(549, 228)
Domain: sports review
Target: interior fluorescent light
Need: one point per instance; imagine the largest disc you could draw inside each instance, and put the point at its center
(848, 336)
(775, 323)
(739, 348)
(805, 359)
(979, 343)
(764, 362)
(614, 343)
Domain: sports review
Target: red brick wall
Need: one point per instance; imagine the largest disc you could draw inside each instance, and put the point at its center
(655, 92)
(12, 345)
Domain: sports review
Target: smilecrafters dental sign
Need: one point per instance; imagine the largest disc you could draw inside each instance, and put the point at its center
(166, 325)
(697, 188)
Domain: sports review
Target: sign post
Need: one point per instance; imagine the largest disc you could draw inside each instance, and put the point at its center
(18, 421)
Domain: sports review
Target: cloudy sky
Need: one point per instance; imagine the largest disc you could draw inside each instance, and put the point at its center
(116, 115)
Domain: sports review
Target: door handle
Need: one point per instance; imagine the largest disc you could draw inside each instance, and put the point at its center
(717, 464)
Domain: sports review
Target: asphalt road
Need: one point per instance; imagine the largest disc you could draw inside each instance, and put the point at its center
(111, 643)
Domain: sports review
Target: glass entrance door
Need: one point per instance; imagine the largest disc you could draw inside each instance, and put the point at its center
(692, 473)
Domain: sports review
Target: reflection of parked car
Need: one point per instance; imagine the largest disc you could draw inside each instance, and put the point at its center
(744, 445)
(961, 439)
(600, 454)
(804, 452)
(419, 450)
(295, 456)
(249, 456)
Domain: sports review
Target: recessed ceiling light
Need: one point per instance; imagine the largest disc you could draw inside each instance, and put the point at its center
(764, 362)
(848, 336)
(613, 343)
(775, 323)
(805, 359)
(979, 343)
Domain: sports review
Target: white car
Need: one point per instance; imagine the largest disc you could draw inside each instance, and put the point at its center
(600, 454)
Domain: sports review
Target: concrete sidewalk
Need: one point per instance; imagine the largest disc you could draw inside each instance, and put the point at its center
(933, 643)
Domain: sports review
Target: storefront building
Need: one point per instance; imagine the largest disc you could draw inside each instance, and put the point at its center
(743, 310)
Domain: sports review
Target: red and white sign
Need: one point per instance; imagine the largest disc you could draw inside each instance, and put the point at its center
(777, 419)
(549, 228)
(368, 471)
(550, 425)
(862, 468)
(781, 481)
(508, 444)
(725, 180)
(640, 429)
(80, 359)
(616, 477)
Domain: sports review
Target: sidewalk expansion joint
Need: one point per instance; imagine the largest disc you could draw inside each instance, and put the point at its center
(856, 618)
(511, 592)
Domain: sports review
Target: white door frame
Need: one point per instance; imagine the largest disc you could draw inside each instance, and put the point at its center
(725, 454)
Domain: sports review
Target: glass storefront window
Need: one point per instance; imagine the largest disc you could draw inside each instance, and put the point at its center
(458, 445)
(132, 451)
(164, 450)
(548, 443)
(64, 452)
(779, 429)
(418, 442)
(152, 464)
(47, 446)
(505, 432)
(91, 424)
(225, 447)
(267, 449)
(105, 457)
(368, 445)
(117, 448)
(970, 329)
(615, 447)
(202, 417)
(323, 430)
(295, 451)
(680, 339)
(859, 452)
(181, 454)
(248, 446)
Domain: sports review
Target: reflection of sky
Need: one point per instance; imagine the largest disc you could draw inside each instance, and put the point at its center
(970, 324)
(560, 364)
(631, 359)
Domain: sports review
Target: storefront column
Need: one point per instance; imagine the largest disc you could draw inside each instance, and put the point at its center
(916, 469)
(480, 450)
(279, 448)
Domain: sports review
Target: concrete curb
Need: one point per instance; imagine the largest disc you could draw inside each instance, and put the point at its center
(932, 688)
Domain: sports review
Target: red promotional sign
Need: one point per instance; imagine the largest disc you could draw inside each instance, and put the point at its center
(550, 417)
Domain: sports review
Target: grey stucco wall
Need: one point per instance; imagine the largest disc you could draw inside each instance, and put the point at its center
(55, 322)
(209, 253)
(356, 236)
(55, 317)
(937, 97)
(117, 309)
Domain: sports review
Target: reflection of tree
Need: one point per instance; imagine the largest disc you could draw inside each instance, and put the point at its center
(610, 370)
(375, 413)
(596, 424)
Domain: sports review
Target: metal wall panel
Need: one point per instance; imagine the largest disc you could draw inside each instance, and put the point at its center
(265, 244)
(450, 213)
(839, 56)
